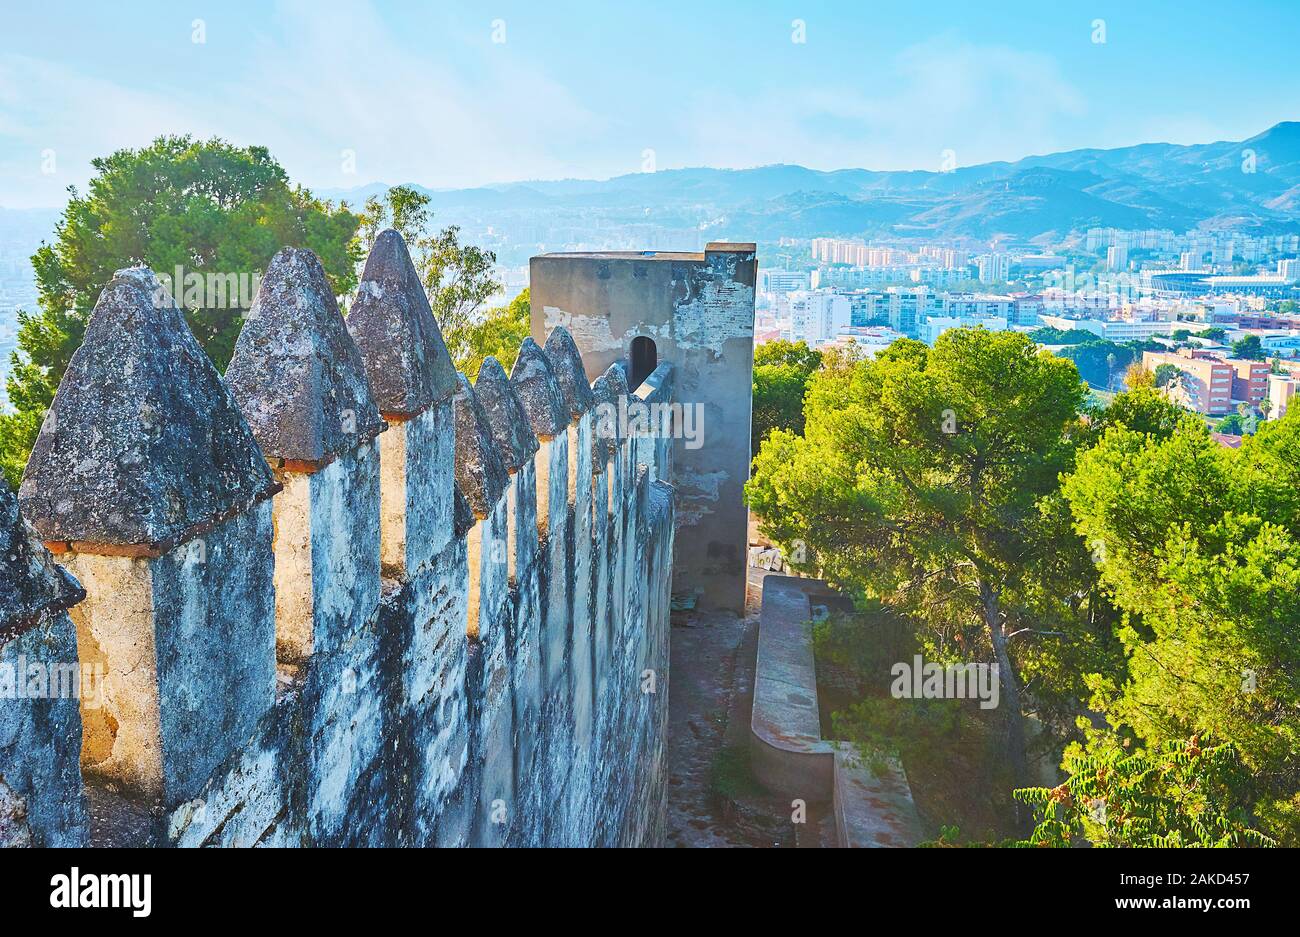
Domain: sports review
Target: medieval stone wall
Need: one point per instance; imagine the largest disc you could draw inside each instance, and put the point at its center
(698, 311)
(339, 596)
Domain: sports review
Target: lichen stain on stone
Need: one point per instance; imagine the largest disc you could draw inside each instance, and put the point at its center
(14, 831)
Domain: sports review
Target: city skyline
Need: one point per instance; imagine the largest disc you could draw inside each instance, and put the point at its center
(458, 98)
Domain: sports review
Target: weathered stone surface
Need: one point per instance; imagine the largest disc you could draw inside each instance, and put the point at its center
(32, 586)
(416, 457)
(41, 802)
(659, 384)
(566, 362)
(405, 356)
(539, 391)
(464, 514)
(510, 426)
(616, 374)
(214, 645)
(418, 714)
(605, 422)
(407, 734)
(480, 473)
(297, 373)
(143, 444)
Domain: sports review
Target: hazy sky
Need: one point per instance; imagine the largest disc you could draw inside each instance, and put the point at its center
(421, 92)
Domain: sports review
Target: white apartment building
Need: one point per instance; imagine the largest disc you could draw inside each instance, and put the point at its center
(816, 317)
(858, 278)
(994, 268)
(953, 259)
(979, 307)
(908, 308)
(1027, 311)
(940, 277)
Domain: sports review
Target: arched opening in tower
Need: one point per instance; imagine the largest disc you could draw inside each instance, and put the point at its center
(645, 358)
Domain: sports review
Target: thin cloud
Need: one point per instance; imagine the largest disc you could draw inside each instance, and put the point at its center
(52, 109)
(982, 102)
(335, 83)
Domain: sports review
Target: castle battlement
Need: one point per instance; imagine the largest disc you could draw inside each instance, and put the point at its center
(339, 596)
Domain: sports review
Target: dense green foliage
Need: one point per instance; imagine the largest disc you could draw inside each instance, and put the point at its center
(1167, 374)
(1137, 583)
(781, 373)
(916, 481)
(206, 207)
(1173, 795)
(500, 334)
(1230, 425)
(1103, 363)
(1048, 335)
(1199, 546)
(1248, 348)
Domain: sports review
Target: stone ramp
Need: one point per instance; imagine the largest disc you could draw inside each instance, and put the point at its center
(787, 751)
(872, 805)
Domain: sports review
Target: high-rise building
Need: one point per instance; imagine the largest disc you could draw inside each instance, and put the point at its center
(953, 259)
(994, 268)
(782, 281)
(908, 308)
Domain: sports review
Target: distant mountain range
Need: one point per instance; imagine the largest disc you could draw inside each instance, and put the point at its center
(1251, 185)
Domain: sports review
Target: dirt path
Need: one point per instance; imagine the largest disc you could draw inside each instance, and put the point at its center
(712, 799)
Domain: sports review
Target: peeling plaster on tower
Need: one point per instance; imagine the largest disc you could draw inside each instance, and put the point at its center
(698, 309)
